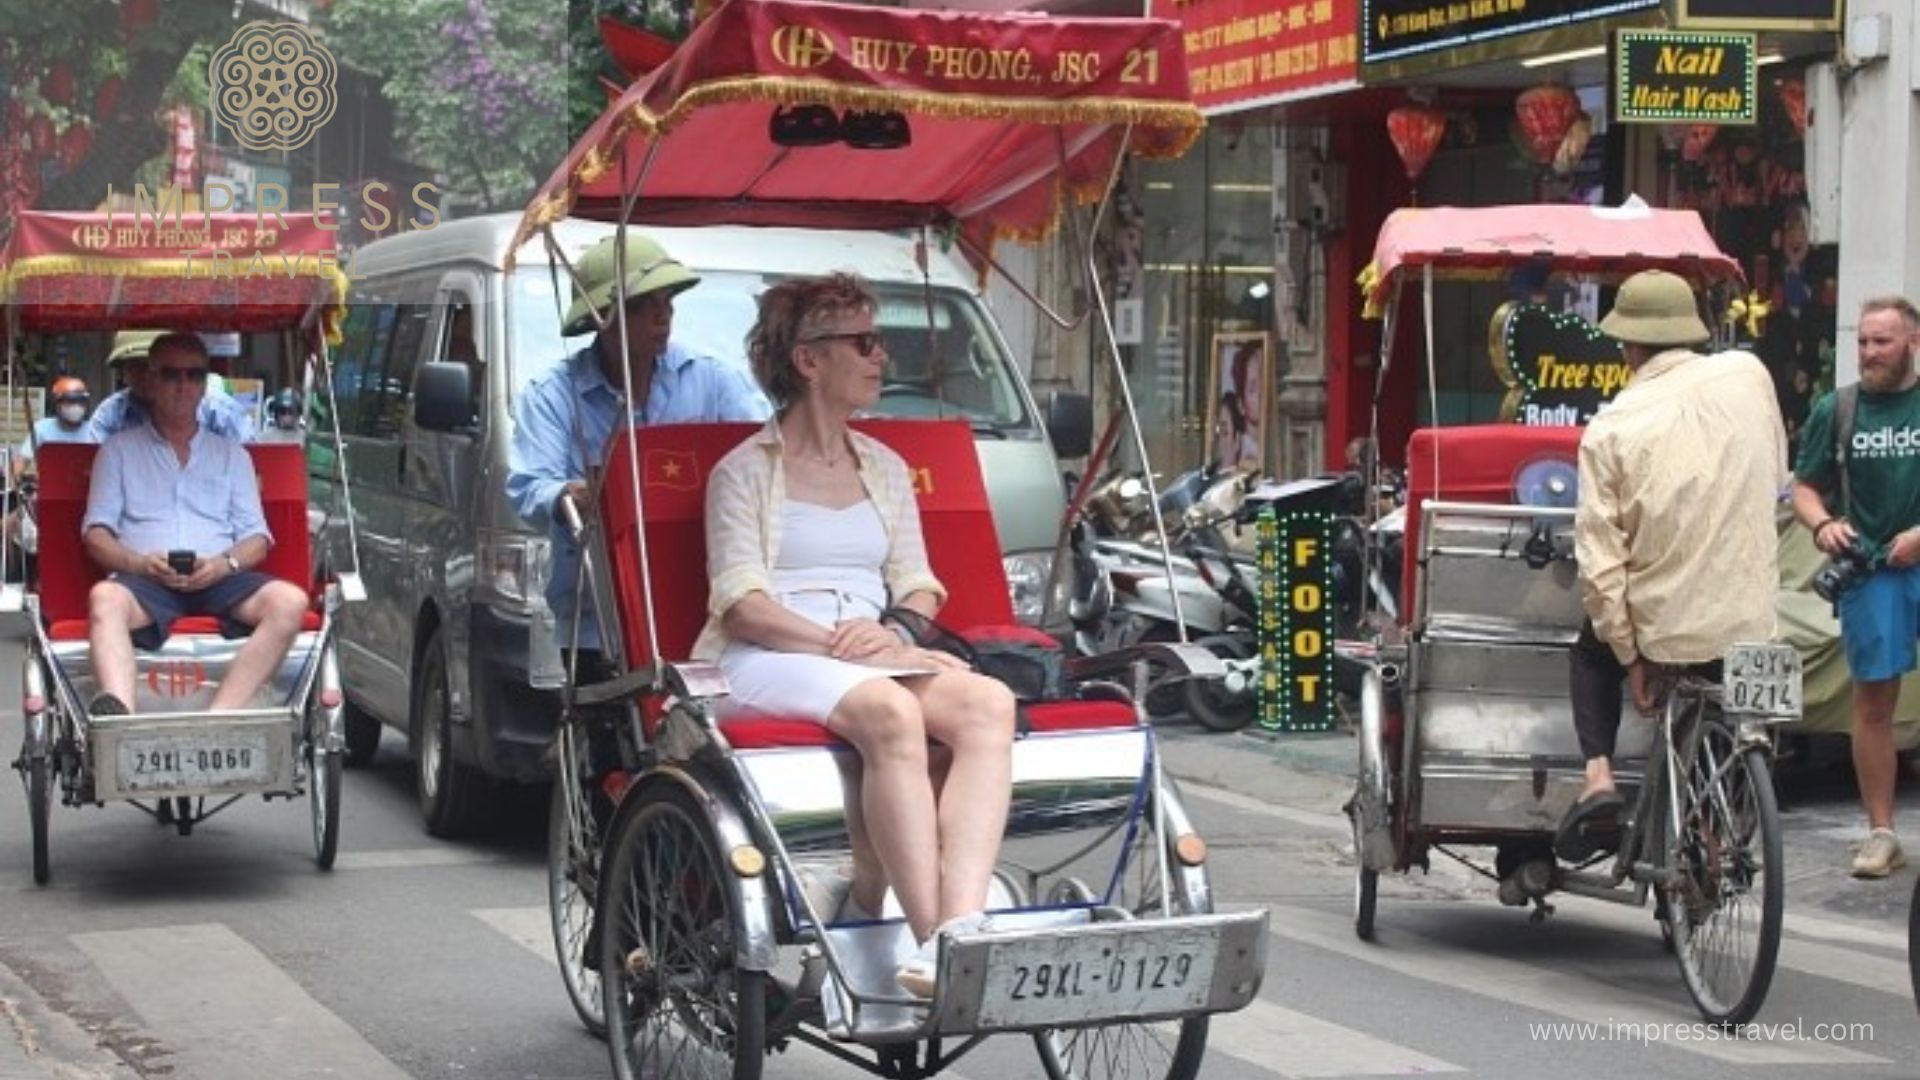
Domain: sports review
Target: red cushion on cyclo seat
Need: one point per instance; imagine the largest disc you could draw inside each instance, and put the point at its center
(1476, 463)
(66, 573)
(675, 462)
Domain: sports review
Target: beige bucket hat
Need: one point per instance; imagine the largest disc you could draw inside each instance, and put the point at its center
(1654, 307)
(649, 269)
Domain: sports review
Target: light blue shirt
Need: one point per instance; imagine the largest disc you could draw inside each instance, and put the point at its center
(218, 413)
(548, 451)
(49, 429)
(152, 503)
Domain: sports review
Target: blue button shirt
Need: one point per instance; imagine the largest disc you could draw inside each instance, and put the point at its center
(143, 494)
(218, 413)
(547, 451)
(49, 429)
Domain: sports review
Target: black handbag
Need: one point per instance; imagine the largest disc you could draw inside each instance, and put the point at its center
(1029, 662)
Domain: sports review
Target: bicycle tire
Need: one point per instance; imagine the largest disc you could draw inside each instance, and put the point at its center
(1728, 847)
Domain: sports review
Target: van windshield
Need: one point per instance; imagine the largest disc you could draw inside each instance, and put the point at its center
(953, 368)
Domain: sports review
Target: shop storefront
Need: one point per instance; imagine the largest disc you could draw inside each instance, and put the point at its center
(1595, 103)
(1221, 259)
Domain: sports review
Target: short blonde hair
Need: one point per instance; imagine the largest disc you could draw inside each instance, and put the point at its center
(792, 312)
(1894, 303)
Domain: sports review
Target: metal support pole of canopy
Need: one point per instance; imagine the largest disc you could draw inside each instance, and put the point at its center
(1126, 392)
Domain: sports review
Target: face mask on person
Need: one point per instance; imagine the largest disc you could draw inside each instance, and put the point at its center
(71, 415)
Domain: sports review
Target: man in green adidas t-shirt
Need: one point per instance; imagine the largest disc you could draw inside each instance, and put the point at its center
(1880, 617)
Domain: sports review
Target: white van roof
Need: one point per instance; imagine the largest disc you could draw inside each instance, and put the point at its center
(877, 256)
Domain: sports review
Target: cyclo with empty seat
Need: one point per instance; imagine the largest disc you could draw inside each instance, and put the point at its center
(684, 924)
(63, 273)
(1467, 736)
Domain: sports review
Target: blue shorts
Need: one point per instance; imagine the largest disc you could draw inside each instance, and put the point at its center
(1879, 621)
(164, 606)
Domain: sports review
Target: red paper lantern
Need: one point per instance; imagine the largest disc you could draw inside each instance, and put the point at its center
(57, 87)
(1545, 113)
(1793, 98)
(1416, 131)
(105, 98)
(74, 144)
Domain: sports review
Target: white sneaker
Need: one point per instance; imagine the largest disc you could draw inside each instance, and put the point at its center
(919, 972)
(1879, 856)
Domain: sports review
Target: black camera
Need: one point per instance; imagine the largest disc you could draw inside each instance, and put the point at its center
(1843, 573)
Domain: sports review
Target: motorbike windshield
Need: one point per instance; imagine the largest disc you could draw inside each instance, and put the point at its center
(944, 360)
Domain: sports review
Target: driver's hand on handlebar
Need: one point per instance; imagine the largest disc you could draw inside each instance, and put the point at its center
(857, 638)
(582, 496)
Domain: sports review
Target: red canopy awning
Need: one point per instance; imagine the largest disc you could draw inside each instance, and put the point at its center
(1606, 242)
(1011, 114)
(190, 271)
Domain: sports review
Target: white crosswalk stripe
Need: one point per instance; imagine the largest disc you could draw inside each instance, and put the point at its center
(1560, 993)
(222, 1007)
(1296, 1045)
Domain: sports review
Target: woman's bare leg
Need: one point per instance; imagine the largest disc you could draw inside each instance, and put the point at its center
(869, 887)
(883, 721)
(974, 717)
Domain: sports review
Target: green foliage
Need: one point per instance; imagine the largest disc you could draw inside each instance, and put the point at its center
(478, 88)
(586, 96)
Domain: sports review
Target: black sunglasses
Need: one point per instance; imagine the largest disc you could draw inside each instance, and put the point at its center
(181, 374)
(864, 341)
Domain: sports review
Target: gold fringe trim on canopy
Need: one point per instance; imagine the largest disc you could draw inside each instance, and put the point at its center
(304, 265)
(1181, 122)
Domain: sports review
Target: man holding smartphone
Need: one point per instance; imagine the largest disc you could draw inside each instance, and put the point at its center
(174, 517)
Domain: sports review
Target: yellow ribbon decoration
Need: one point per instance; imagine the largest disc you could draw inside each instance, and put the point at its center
(1754, 310)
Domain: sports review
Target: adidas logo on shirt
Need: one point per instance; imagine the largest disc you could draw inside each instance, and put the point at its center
(1887, 442)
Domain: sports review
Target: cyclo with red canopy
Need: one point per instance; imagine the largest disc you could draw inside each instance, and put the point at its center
(173, 758)
(685, 930)
(1467, 736)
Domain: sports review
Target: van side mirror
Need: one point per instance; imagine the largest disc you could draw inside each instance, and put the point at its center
(443, 397)
(1070, 423)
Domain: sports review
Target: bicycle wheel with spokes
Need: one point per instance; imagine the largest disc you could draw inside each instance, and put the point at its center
(676, 1004)
(1724, 906)
(1159, 1050)
(573, 857)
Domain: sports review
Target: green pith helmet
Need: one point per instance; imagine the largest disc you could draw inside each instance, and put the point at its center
(131, 345)
(649, 269)
(1654, 307)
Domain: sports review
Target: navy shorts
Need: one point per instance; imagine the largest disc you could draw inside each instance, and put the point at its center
(164, 606)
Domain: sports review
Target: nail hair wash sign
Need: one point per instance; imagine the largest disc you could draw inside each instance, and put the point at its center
(1679, 76)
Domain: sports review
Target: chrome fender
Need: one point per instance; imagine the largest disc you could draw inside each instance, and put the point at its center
(755, 947)
(1372, 805)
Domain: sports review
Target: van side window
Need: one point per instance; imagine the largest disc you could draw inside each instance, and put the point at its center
(460, 342)
(386, 389)
(349, 363)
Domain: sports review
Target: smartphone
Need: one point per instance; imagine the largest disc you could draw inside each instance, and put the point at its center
(181, 562)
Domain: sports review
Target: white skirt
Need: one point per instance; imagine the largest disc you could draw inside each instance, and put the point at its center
(800, 685)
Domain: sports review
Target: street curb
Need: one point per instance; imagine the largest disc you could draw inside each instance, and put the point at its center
(37, 1041)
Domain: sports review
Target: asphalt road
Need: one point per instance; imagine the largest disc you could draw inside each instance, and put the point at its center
(227, 954)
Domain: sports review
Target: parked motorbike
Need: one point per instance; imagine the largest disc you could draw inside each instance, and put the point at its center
(1125, 598)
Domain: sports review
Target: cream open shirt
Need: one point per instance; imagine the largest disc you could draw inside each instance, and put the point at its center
(744, 497)
(1679, 478)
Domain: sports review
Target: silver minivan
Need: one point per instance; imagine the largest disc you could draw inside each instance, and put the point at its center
(455, 645)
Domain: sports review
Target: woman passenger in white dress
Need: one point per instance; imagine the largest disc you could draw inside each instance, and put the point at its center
(812, 532)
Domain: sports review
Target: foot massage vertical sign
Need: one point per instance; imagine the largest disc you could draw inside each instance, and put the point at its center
(1294, 551)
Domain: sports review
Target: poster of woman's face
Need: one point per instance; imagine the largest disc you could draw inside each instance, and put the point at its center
(1238, 402)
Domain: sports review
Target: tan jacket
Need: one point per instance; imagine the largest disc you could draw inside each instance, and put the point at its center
(744, 495)
(1675, 537)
